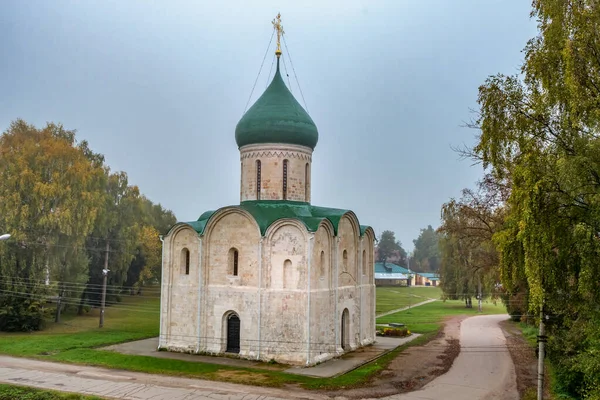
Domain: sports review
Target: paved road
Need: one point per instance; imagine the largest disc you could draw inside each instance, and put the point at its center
(482, 370)
(118, 384)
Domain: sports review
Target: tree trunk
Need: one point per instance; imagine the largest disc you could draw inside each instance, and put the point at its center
(83, 296)
(470, 303)
(479, 294)
(58, 306)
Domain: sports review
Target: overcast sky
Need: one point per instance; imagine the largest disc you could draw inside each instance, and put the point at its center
(159, 86)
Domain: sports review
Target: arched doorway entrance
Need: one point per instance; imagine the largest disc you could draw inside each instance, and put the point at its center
(345, 329)
(233, 333)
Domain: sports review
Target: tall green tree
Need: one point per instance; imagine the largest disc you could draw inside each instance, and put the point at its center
(388, 248)
(426, 252)
(540, 135)
(48, 202)
(469, 258)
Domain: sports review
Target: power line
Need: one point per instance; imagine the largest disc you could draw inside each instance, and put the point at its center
(295, 76)
(260, 69)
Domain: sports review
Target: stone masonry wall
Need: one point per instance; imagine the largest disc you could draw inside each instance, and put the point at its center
(224, 292)
(179, 297)
(284, 297)
(280, 317)
(271, 157)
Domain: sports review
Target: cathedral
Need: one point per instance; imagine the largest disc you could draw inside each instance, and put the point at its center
(275, 277)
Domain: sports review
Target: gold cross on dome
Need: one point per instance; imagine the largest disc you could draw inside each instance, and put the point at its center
(279, 28)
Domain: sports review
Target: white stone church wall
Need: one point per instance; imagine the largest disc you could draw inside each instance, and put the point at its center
(230, 230)
(284, 319)
(179, 297)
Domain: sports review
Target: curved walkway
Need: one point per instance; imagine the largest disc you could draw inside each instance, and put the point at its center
(404, 308)
(482, 370)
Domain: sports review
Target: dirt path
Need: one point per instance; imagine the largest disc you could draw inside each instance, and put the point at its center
(525, 361)
(483, 369)
(414, 367)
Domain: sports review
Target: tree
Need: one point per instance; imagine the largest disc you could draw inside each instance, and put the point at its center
(48, 201)
(469, 259)
(540, 134)
(426, 253)
(390, 248)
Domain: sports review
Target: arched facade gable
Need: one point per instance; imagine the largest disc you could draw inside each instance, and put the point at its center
(368, 240)
(286, 250)
(274, 227)
(348, 249)
(353, 220)
(231, 259)
(178, 227)
(328, 226)
(223, 212)
(370, 234)
(322, 256)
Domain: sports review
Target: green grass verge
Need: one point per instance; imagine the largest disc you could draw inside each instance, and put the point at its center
(10, 392)
(394, 297)
(429, 317)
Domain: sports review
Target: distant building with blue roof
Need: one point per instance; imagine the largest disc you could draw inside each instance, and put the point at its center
(391, 274)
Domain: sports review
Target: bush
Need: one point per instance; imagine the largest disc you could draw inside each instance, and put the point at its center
(19, 314)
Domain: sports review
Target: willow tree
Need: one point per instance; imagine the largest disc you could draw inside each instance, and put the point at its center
(541, 131)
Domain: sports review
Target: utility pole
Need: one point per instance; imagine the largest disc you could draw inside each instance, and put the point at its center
(105, 272)
(479, 292)
(409, 282)
(542, 338)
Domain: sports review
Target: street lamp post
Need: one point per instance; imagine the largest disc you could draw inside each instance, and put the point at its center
(105, 272)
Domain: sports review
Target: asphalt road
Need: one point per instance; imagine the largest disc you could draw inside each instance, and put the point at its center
(483, 370)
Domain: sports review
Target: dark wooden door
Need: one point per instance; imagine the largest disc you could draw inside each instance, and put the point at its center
(233, 334)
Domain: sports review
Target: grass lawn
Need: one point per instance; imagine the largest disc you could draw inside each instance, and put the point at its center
(429, 317)
(394, 297)
(77, 340)
(10, 392)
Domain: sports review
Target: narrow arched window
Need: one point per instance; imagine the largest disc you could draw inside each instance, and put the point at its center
(364, 262)
(258, 179)
(345, 261)
(285, 173)
(233, 262)
(185, 262)
(288, 274)
(306, 183)
(322, 264)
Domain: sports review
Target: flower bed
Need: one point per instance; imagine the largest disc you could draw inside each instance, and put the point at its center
(394, 332)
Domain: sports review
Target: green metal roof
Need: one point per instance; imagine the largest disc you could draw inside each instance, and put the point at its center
(391, 268)
(428, 275)
(265, 212)
(277, 117)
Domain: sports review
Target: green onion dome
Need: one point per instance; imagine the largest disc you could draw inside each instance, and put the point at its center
(276, 117)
